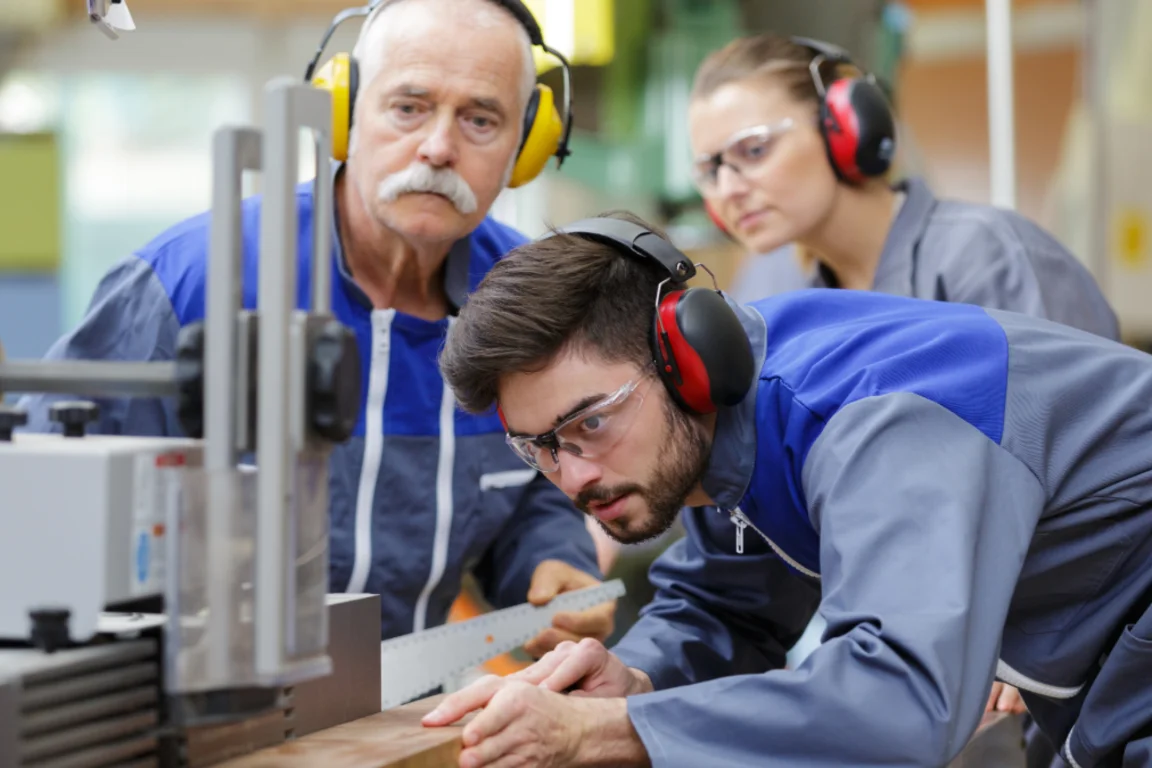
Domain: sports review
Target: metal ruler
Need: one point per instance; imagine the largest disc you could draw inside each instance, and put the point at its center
(420, 662)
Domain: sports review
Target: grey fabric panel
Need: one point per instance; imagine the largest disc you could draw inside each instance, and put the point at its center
(130, 318)
(917, 566)
(948, 250)
(1116, 720)
(715, 612)
(979, 254)
(1078, 415)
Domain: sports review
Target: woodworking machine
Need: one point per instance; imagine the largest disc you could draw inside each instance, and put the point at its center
(151, 585)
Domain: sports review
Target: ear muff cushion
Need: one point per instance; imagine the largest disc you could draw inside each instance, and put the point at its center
(337, 76)
(876, 128)
(541, 137)
(705, 356)
(859, 130)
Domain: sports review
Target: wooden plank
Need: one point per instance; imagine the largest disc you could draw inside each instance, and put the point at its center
(392, 739)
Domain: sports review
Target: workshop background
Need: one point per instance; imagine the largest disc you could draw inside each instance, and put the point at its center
(103, 145)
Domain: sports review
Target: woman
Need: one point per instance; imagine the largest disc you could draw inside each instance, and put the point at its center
(793, 147)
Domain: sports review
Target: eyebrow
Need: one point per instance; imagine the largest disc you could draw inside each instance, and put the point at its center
(579, 406)
(406, 89)
(492, 105)
(418, 92)
(575, 409)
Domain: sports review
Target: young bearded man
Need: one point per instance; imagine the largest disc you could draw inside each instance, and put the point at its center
(963, 492)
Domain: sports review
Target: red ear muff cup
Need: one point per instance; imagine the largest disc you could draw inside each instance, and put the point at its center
(859, 131)
(704, 354)
(839, 126)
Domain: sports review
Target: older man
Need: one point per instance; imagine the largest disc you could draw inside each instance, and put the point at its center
(422, 492)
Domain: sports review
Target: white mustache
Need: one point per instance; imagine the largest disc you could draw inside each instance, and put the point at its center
(421, 177)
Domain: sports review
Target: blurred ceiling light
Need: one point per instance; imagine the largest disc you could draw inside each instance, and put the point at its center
(586, 39)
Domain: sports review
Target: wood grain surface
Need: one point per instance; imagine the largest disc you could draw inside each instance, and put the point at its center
(392, 739)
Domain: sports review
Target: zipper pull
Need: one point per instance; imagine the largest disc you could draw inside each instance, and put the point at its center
(738, 521)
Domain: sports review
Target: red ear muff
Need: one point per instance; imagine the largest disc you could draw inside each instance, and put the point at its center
(703, 353)
(858, 129)
(856, 120)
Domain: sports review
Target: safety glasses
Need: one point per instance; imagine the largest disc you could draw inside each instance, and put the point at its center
(590, 433)
(745, 151)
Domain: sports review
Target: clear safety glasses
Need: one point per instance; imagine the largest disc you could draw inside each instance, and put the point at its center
(744, 152)
(590, 433)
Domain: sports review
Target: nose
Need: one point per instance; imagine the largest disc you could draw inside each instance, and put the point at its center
(729, 183)
(439, 148)
(577, 473)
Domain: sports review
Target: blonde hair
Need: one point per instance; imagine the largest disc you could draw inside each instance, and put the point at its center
(769, 57)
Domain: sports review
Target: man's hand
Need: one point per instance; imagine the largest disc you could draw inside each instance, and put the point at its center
(1003, 698)
(551, 578)
(523, 724)
(589, 665)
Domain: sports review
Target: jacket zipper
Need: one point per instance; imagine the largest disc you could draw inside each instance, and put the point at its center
(741, 521)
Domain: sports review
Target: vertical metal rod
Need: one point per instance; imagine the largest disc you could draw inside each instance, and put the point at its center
(1001, 110)
(322, 221)
(289, 106)
(234, 151)
(275, 304)
(1094, 92)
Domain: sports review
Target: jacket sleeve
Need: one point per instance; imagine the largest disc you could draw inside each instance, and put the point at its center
(544, 526)
(924, 525)
(130, 318)
(1009, 263)
(716, 612)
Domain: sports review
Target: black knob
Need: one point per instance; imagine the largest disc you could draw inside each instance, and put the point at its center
(334, 382)
(190, 379)
(74, 415)
(50, 628)
(10, 418)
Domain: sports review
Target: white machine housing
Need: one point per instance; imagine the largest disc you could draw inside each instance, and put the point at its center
(92, 517)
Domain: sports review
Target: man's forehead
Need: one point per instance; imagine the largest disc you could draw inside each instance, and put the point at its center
(422, 32)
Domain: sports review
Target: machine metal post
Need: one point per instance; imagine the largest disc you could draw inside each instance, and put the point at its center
(235, 150)
(1001, 110)
(289, 106)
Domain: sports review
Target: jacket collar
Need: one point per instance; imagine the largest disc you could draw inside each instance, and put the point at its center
(456, 267)
(894, 273)
(733, 458)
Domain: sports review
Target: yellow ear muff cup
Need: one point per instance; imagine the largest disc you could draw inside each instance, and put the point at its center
(336, 77)
(540, 141)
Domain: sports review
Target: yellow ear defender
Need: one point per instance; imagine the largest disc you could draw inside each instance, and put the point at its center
(545, 133)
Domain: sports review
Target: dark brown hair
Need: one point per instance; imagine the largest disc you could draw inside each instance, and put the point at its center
(770, 57)
(546, 296)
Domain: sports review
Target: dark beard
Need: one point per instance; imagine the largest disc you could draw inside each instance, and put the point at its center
(683, 464)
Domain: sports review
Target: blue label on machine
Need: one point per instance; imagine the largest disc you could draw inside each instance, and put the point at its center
(142, 556)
